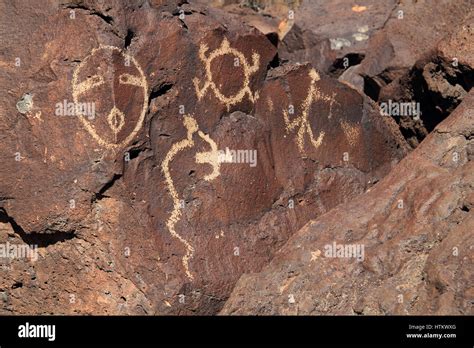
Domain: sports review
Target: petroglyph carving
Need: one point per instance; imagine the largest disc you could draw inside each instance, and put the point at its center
(351, 132)
(301, 122)
(116, 74)
(207, 157)
(248, 70)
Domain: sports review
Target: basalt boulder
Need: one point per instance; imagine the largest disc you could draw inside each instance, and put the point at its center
(153, 154)
(403, 247)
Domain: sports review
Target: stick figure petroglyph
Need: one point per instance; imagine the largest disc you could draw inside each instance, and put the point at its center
(207, 157)
(302, 122)
(99, 70)
(248, 70)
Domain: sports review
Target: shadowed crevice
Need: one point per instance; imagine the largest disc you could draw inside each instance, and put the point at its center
(42, 240)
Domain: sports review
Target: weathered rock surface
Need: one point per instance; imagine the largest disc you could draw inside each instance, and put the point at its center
(322, 31)
(391, 50)
(131, 209)
(201, 150)
(413, 29)
(314, 31)
(416, 228)
(438, 82)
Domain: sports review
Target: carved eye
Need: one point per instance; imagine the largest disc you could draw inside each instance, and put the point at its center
(127, 79)
(95, 80)
(89, 83)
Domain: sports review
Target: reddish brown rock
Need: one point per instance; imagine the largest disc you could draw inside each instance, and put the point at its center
(387, 50)
(406, 42)
(413, 232)
(437, 82)
(413, 30)
(130, 209)
(314, 31)
(322, 31)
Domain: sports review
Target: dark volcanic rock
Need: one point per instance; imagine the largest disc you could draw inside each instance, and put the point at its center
(135, 204)
(322, 31)
(410, 237)
(401, 51)
(438, 82)
(413, 29)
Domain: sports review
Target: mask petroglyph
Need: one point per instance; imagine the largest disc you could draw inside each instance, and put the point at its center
(108, 71)
(248, 71)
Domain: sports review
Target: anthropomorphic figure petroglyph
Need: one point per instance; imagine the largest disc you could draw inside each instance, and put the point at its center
(109, 76)
(207, 157)
(301, 122)
(248, 70)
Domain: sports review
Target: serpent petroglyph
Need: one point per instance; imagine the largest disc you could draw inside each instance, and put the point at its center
(248, 70)
(207, 157)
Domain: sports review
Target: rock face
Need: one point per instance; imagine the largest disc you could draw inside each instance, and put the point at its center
(155, 152)
(438, 82)
(372, 47)
(325, 30)
(412, 238)
(198, 164)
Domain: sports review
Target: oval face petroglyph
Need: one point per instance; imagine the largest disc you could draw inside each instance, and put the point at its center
(115, 83)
